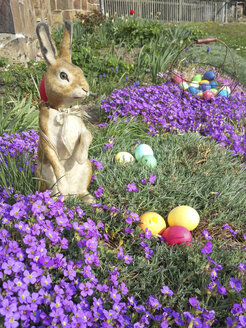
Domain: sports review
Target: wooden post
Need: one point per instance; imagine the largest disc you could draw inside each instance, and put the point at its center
(180, 10)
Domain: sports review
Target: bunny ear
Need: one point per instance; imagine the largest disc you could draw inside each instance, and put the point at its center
(47, 47)
(66, 44)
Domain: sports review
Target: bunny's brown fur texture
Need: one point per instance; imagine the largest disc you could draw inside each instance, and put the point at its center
(64, 140)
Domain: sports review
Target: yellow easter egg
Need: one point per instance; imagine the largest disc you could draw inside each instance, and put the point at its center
(185, 216)
(204, 81)
(124, 157)
(153, 221)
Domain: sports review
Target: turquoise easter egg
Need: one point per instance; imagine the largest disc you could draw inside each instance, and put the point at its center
(193, 90)
(228, 89)
(214, 84)
(149, 160)
(142, 150)
(223, 93)
(209, 76)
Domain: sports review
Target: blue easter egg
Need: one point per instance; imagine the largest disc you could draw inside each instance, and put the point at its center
(205, 86)
(223, 93)
(209, 76)
(193, 90)
(143, 150)
(214, 84)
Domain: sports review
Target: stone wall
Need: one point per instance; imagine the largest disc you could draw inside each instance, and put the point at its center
(67, 9)
(18, 20)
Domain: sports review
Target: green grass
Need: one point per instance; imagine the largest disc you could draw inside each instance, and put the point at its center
(233, 34)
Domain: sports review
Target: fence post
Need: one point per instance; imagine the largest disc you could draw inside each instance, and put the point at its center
(180, 10)
(140, 13)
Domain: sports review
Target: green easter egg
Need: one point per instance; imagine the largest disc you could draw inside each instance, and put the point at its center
(197, 78)
(215, 91)
(149, 160)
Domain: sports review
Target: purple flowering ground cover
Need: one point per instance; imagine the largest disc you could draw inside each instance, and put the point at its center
(166, 107)
(64, 264)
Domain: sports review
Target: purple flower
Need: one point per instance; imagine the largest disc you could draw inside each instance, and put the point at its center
(153, 302)
(235, 284)
(152, 178)
(30, 277)
(221, 290)
(128, 259)
(207, 248)
(206, 234)
(99, 192)
(148, 233)
(166, 291)
(97, 164)
(115, 295)
(132, 187)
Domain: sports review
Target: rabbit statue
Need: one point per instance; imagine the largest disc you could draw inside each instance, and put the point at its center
(64, 140)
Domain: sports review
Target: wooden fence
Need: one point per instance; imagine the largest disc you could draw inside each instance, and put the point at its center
(169, 10)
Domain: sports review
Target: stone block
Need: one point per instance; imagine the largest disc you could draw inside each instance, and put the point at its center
(6, 18)
(57, 18)
(76, 4)
(84, 5)
(14, 4)
(92, 6)
(53, 4)
(64, 4)
(69, 14)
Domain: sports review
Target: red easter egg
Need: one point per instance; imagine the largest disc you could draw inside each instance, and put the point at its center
(208, 94)
(178, 78)
(176, 235)
(42, 90)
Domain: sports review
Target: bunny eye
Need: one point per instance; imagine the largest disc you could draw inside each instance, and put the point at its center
(64, 76)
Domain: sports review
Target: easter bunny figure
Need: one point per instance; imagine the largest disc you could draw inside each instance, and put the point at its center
(64, 140)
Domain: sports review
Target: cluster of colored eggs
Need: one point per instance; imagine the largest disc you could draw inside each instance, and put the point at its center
(143, 154)
(204, 86)
(181, 221)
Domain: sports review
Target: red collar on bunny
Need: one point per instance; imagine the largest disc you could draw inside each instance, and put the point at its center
(42, 90)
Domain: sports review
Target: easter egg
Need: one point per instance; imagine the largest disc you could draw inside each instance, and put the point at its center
(228, 89)
(197, 78)
(185, 216)
(124, 157)
(200, 94)
(208, 94)
(176, 235)
(205, 86)
(209, 76)
(214, 84)
(178, 78)
(184, 85)
(223, 93)
(42, 90)
(194, 84)
(215, 91)
(142, 150)
(193, 90)
(149, 160)
(153, 221)
(204, 81)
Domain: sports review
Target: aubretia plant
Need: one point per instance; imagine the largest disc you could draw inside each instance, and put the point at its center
(164, 107)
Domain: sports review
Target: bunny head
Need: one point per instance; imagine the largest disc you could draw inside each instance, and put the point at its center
(64, 82)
